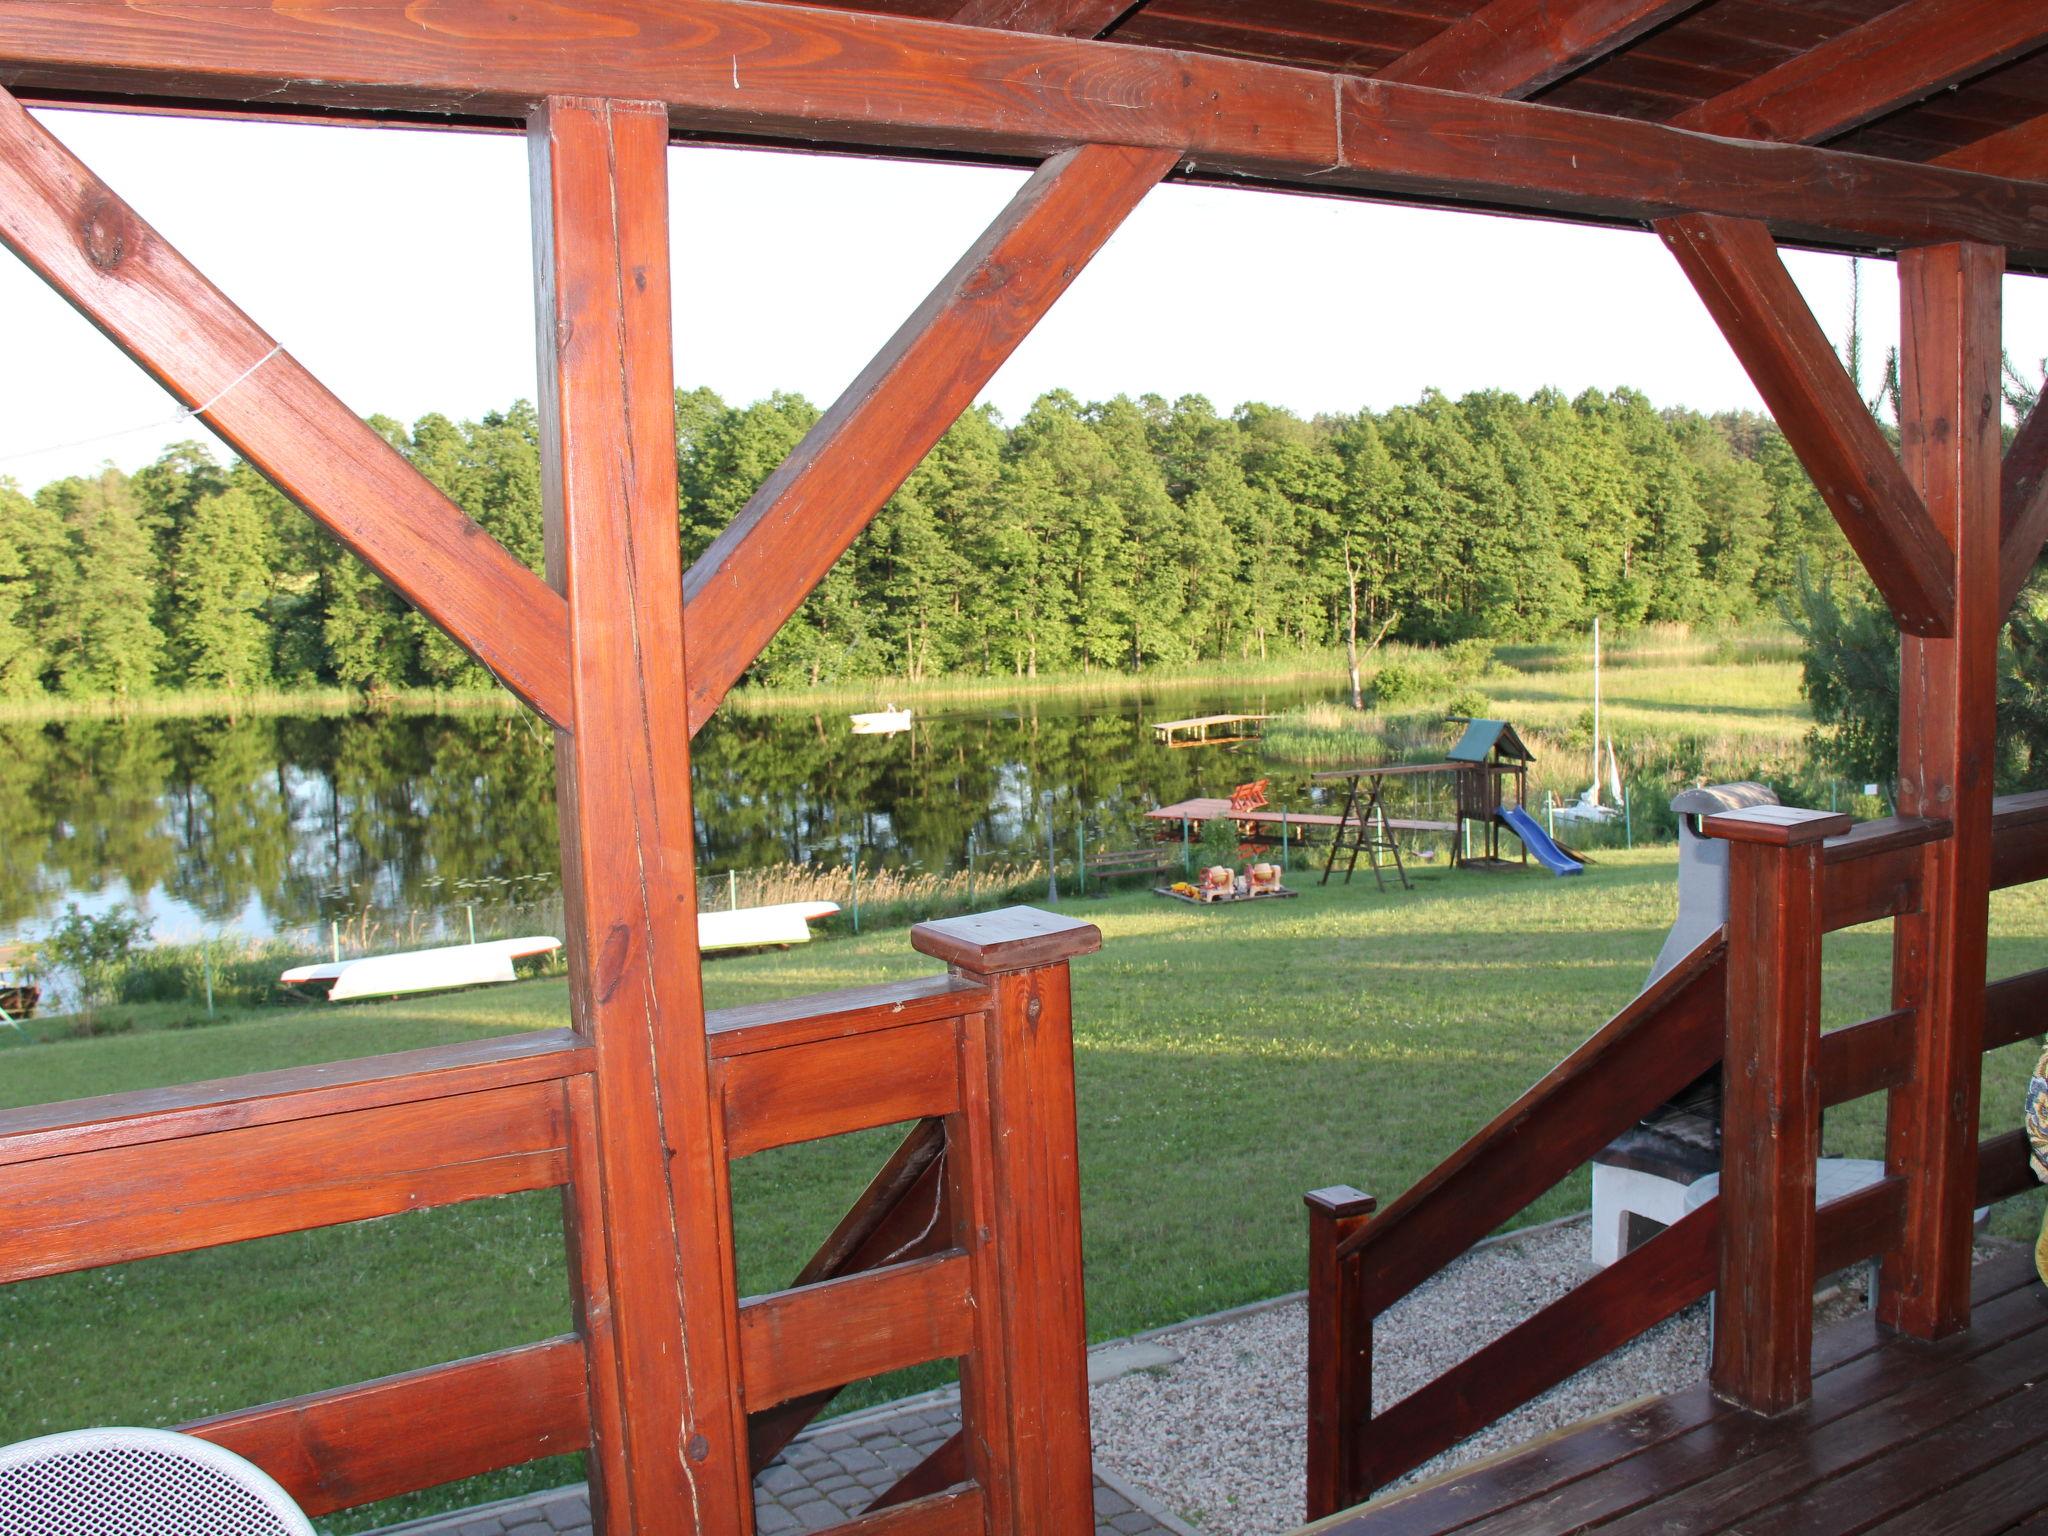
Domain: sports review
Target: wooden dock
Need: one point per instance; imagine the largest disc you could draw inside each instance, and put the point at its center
(1171, 733)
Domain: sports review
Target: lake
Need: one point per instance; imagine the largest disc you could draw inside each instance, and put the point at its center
(282, 825)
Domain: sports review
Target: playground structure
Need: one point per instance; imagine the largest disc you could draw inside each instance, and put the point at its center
(1486, 757)
(679, 1389)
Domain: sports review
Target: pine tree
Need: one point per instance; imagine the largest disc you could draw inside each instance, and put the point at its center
(109, 645)
(222, 594)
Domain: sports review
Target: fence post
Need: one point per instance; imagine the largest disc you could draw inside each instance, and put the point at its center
(1052, 862)
(1770, 1139)
(1339, 1352)
(1025, 1393)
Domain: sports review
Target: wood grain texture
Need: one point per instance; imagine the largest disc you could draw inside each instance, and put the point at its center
(829, 77)
(1777, 826)
(71, 1126)
(2019, 151)
(986, 944)
(132, 1202)
(355, 1445)
(1652, 1282)
(2023, 506)
(901, 1215)
(838, 1331)
(85, 242)
(2016, 1009)
(590, 1301)
(1025, 1388)
(1339, 1353)
(1864, 890)
(1514, 48)
(600, 184)
(2019, 839)
(1066, 18)
(835, 1015)
(1770, 1127)
(1446, 146)
(1886, 835)
(1900, 57)
(831, 1087)
(960, 1512)
(761, 567)
(1869, 1057)
(1950, 439)
(2004, 1168)
(1663, 1040)
(1735, 267)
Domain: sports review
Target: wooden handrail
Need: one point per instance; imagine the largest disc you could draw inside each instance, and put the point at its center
(1865, 1058)
(850, 1011)
(2015, 1008)
(1652, 1048)
(2019, 839)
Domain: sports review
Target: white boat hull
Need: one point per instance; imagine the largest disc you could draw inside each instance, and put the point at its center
(787, 922)
(422, 970)
(882, 722)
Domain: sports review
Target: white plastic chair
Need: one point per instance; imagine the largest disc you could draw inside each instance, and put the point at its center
(138, 1482)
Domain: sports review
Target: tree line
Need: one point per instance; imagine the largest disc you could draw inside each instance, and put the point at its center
(1120, 534)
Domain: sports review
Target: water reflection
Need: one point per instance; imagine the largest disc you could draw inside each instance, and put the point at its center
(268, 824)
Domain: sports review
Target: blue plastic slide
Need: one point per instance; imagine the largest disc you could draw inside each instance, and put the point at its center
(1537, 841)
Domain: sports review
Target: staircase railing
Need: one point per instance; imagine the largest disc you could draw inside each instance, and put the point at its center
(1747, 995)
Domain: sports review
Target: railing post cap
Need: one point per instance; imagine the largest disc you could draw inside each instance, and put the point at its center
(1777, 826)
(1339, 1201)
(1010, 939)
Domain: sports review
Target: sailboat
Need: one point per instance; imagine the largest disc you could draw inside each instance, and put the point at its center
(1588, 807)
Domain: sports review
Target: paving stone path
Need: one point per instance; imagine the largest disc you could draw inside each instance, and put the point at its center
(827, 1476)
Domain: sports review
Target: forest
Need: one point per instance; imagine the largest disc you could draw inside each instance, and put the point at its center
(1121, 535)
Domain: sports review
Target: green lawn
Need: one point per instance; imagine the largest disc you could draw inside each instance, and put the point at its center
(1227, 1060)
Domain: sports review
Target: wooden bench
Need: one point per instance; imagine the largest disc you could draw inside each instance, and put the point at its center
(1131, 861)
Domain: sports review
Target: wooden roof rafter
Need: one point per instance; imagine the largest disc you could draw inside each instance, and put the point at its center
(1902, 56)
(1514, 48)
(1066, 18)
(753, 71)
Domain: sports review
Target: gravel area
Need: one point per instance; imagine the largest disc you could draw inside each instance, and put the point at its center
(1219, 1437)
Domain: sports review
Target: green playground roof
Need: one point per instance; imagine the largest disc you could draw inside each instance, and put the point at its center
(1489, 736)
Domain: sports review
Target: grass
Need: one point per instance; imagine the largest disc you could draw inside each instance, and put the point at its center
(1227, 1060)
(269, 701)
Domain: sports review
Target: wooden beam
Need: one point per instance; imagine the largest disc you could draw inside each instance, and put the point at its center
(1891, 61)
(2023, 507)
(1735, 266)
(85, 242)
(1949, 434)
(777, 72)
(1065, 18)
(1514, 48)
(600, 214)
(756, 573)
(2020, 151)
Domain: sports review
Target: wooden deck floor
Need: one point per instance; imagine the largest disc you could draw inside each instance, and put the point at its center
(1902, 1438)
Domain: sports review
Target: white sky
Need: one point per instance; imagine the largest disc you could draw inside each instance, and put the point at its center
(396, 265)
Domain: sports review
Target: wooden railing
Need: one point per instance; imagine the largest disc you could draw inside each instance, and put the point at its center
(965, 1246)
(1750, 994)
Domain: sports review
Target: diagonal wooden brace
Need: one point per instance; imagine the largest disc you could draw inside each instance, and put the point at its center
(2023, 513)
(756, 573)
(124, 277)
(1735, 266)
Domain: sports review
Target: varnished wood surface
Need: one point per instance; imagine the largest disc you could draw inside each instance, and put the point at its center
(831, 1087)
(1009, 939)
(1735, 267)
(2023, 506)
(765, 562)
(1514, 48)
(354, 1445)
(838, 1331)
(130, 1202)
(1894, 1425)
(792, 1021)
(72, 1126)
(958, 1512)
(78, 235)
(1866, 1058)
(821, 76)
(2019, 839)
(1897, 58)
(600, 217)
(1950, 441)
(1648, 1051)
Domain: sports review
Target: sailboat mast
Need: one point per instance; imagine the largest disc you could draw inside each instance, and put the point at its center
(1596, 709)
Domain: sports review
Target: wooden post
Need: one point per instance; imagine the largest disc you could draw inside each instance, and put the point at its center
(1025, 1395)
(655, 1217)
(1339, 1352)
(1770, 1140)
(1949, 433)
